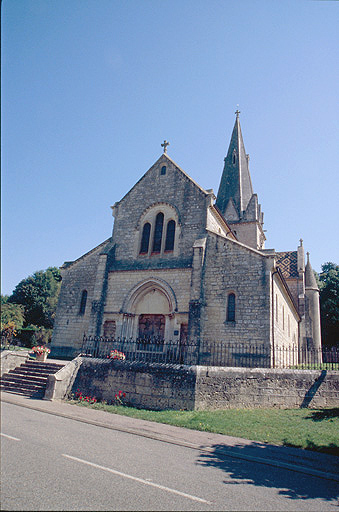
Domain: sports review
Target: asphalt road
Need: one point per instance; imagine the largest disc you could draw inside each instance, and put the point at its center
(54, 463)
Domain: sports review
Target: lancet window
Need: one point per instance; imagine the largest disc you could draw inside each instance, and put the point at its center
(158, 233)
(83, 302)
(146, 231)
(231, 307)
(159, 224)
(170, 234)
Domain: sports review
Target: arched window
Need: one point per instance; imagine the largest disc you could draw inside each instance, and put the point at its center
(170, 234)
(231, 308)
(234, 159)
(159, 222)
(163, 170)
(83, 303)
(145, 238)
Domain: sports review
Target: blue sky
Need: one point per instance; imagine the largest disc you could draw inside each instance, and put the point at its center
(91, 88)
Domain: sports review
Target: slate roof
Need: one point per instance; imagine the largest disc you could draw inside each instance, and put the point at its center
(235, 181)
(287, 262)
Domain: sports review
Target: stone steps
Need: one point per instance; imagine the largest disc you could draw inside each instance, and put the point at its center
(29, 379)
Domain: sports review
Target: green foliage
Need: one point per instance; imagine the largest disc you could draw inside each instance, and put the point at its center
(329, 304)
(8, 332)
(11, 313)
(32, 335)
(26, 336)
(38, 294)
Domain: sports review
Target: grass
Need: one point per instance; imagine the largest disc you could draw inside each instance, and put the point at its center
(312, 429)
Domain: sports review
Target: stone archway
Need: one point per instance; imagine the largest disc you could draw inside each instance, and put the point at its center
(152, 304)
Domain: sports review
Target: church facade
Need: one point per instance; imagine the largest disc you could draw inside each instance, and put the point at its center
(184, 265)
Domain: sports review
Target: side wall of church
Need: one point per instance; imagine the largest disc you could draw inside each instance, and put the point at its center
(231, 268)
(70, 324)
(173, 188)
(285, 322)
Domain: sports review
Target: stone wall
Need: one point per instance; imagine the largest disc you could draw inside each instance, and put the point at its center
(158, 386)
(226, 388)
(175, 189)
(152, 386)
(285, 318)
(70, 325)
(11, 360)
(231, 267)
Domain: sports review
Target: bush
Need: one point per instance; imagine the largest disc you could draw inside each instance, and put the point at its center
(27, 336)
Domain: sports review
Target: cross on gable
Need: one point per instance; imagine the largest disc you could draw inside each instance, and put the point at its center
(164, 145)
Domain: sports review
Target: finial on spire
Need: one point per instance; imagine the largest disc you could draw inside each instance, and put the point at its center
(164, 145)
(237, 112)
(308, 257)
(301, 242)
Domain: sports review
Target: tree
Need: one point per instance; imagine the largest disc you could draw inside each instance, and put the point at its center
(8, 332)
(329, 304)
(38, 294)
(11, 313)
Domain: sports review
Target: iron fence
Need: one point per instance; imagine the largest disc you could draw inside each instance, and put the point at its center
(238, 355)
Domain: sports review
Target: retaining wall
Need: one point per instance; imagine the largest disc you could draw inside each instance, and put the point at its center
(147, 385)
(164, 386)
(225, 388)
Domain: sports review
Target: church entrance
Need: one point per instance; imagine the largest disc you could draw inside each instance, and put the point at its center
(152, 326)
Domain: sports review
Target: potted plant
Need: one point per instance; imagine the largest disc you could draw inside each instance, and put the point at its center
(41, 352)
(115, 354)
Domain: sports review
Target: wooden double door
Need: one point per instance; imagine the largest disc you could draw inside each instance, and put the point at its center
(152, 326)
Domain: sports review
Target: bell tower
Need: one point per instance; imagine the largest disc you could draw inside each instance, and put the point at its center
(236, 200)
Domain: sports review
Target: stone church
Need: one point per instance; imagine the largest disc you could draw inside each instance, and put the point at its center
(184, 265)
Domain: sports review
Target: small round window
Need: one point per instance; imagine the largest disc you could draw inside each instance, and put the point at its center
(163, 170)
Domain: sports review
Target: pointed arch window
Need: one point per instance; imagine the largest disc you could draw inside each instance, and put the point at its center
(231, 307)
(83, 302)
(234, 158)
(170, 234)
(145, 238)
(159, 223)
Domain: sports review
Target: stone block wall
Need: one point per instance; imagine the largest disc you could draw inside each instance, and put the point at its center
(233, 268)
(285, 318)
(121, 284)
(147, 385)
(160, 386)
(70, 326)
(226, 388)
(174, 188)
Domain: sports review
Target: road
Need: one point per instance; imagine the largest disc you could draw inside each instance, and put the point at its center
(54, 463)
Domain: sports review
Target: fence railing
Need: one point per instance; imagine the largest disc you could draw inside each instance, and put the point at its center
(212, 353)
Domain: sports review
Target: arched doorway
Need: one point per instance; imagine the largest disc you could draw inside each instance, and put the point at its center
(152, 305)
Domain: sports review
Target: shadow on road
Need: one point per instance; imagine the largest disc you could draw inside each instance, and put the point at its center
(289, 484)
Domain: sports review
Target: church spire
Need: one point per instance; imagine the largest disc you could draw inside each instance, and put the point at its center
(235, 182)
(235, 199)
